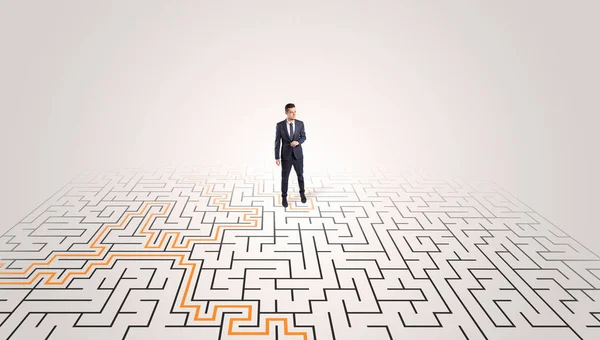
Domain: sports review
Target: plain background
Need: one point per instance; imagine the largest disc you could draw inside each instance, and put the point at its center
(503, 91)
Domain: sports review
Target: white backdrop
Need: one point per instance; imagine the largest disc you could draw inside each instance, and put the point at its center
(506, 92)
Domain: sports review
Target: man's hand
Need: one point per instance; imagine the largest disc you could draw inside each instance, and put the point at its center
(294, 143)
(278, 162)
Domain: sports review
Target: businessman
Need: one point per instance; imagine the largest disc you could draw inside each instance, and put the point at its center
(291, 131)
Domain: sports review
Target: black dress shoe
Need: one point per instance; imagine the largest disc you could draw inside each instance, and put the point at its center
(284, 202)
(302, 198)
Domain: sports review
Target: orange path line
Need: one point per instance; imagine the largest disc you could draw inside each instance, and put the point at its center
(49, 275)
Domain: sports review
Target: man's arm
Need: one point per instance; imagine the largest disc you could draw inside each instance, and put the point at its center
(301, 135)
(277, 141)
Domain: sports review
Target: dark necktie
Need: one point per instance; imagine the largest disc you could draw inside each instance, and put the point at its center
(291, 131)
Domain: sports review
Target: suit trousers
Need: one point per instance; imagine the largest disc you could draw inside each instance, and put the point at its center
(286, 168)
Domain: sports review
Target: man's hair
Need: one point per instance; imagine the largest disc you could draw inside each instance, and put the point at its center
(289, 106)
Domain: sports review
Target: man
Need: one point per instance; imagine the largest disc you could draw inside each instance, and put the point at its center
(291, 131)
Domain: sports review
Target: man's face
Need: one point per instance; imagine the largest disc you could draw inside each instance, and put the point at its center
(291, 113)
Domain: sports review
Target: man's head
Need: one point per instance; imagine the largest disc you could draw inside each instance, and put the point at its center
(290, 111)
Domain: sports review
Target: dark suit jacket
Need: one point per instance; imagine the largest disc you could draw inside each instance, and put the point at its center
(282, 133)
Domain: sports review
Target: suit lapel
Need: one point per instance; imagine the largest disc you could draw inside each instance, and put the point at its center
(296, 126)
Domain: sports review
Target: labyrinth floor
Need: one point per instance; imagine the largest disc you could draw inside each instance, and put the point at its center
(210, 253)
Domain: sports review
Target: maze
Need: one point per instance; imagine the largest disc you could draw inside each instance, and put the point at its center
(210, 253)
